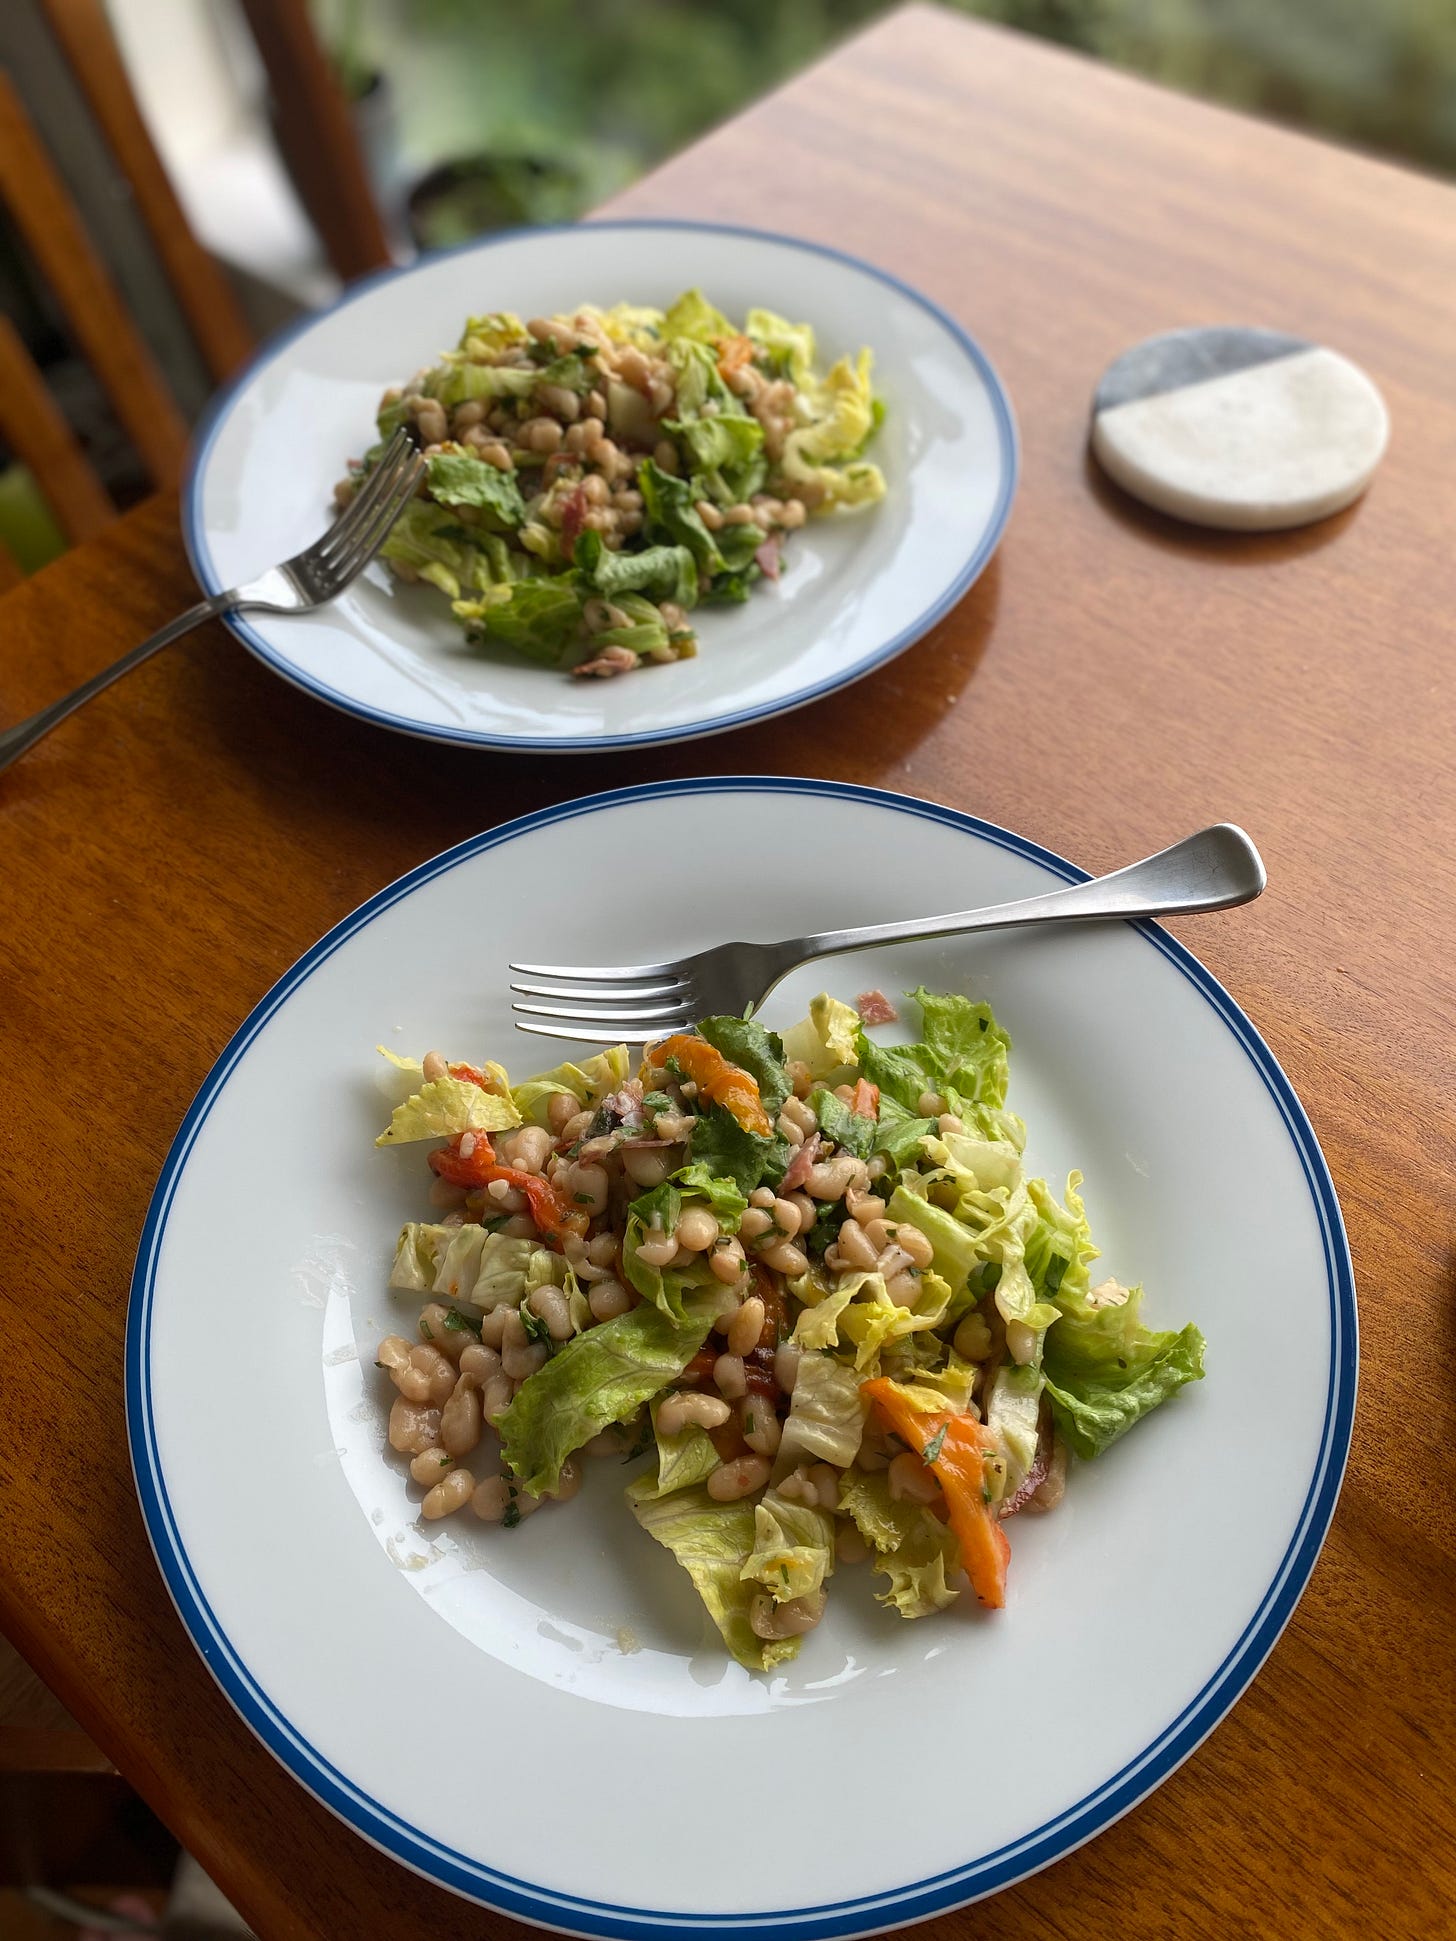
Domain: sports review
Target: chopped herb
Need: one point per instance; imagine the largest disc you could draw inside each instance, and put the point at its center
(445, 1461)
(750, 1423)
(582, 1199)
(642, 1444)
(457, 1323)
(784, 1574)
(513, 1515)
(931, 1452)
(379, 1364)
(536, 1328)
(657, 1102)
(425, 1329)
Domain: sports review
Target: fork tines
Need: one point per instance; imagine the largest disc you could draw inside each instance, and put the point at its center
(633, 1002)
(363, 526)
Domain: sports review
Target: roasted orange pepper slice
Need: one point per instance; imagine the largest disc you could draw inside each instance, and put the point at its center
(960, 1444)
(724, 1084)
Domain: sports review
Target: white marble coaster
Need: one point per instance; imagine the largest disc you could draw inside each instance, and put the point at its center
(1231, 426)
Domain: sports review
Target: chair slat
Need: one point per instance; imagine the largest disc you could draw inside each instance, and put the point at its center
(201, 288)
(47, 218)
(40, 438)
(319, 138)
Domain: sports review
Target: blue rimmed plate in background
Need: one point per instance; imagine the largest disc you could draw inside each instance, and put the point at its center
(543, 1719)
(855, 590)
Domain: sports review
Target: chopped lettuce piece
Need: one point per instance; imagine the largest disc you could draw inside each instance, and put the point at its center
(643, 628)
(826, 1416)
(496, 331)
(712, 1541)
(899, 1134)
(466, 1263)
(595, 1379)
(670, 1289)
(1105, 1370)
(954, 1244)
(849, 1131)
(589, 1083)
(1059, 1247)
(540, 618)
(793, 1547)
(962, 1051)
(430, 541)
(631, 323)
(446, 1106)
(457, 380)
(682, 1459)
(693, 316)
(827, 1040)
(722, 443)
(820, 455)
(745, 1043)
(915, 1550)
(1012, 1412)
(859, 1311)
(728, 1150)
(663, 572)
(696, 1183)
(459, 478)
(673, 517)
(790, 345)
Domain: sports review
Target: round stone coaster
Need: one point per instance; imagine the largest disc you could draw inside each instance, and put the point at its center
(1230, 426)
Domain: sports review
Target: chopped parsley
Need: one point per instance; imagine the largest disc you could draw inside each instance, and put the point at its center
(457, 1323)
(642, 1444)
(931, 1452)
(513, 1513)
(536, 1328)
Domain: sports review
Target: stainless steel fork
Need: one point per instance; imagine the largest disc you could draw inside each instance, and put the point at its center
(310, 579)
(1214, 870)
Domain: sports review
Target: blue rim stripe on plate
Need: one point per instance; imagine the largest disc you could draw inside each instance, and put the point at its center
(837, 1920)
(199, 553)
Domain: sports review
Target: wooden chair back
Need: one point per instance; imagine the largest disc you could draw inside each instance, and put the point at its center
(45, 216)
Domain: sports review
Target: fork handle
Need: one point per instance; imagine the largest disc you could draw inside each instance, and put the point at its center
(1214, 870)
(25, 734)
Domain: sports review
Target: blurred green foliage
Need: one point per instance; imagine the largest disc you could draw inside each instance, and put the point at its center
(612, 86)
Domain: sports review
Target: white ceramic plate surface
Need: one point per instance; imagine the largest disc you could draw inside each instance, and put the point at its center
(557, 1775)
(855, 590)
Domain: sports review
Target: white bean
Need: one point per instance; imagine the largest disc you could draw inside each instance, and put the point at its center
(451, 1493)
(730, 1376)
(746, 1326)
(707, 1411)
(732, 1480)
(608, 1299)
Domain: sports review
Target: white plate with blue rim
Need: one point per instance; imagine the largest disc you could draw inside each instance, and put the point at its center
(543, 1719)
(856, 588)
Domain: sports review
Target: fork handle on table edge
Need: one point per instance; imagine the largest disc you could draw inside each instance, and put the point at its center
(1213, 870)
(25, 734)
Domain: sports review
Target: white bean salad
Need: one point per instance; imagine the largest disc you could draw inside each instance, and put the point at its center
(593, 477)
(806, 1279)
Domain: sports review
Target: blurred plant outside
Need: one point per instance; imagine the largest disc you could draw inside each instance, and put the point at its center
(550, 105)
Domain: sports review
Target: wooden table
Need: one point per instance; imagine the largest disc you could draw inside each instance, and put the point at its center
(1112, 681)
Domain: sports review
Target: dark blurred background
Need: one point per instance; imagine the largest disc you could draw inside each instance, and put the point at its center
(558, 103)
(474, 115)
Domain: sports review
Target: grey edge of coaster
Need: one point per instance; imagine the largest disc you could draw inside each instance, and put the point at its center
(1238, 427)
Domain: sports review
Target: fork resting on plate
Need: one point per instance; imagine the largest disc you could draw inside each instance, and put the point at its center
(1214, 870)
(312, 578)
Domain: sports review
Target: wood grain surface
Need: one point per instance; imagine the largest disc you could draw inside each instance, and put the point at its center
(1113, 681)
